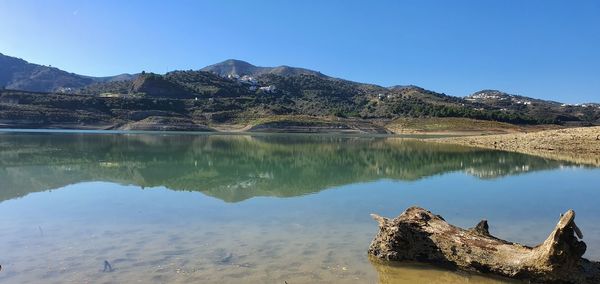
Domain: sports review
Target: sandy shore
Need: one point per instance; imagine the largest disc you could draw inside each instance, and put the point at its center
(581, 145)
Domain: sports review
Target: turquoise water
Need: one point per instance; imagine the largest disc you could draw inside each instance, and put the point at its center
(178, 208)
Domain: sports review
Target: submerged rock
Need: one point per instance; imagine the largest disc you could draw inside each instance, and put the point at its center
(222, 257)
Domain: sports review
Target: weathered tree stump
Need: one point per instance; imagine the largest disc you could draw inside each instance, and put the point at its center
(419, 235)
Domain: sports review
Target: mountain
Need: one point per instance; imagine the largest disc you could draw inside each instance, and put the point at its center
(546, 110)
(160, 87)
(238, 93)
(18, 74)
(175, 84)
(116, 78)
(499, 98)
(241, 68)
(404, 87)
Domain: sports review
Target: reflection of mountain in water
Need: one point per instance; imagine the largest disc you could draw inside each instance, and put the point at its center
(234, 168)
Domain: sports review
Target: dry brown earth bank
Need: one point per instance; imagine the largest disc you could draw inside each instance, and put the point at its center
(581, 144)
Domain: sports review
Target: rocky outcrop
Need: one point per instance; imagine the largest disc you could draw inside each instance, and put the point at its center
(156, 86)
(419, 235)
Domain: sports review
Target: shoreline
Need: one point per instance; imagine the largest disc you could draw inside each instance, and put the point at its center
(433, 127)
(579, 145)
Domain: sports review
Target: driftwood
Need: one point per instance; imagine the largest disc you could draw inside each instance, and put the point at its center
(419, 235)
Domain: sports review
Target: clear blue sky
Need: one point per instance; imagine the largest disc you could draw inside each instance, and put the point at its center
(539, 48)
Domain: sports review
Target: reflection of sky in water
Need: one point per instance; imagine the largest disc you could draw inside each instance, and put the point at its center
(159, 235)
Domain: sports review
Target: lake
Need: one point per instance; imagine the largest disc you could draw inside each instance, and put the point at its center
(208, 208)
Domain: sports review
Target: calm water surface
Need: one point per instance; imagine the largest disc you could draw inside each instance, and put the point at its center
(259, 209)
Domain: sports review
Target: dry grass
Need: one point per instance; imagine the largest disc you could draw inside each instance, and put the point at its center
(450, 125)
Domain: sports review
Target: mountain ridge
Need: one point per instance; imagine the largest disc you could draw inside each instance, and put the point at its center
(237, 92)
(71, 82)
(19, 74)
(235, 67)
(491, 94)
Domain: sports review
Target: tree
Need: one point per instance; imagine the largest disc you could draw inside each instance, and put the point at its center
(590, 115)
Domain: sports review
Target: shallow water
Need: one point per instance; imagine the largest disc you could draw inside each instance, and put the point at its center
(259, 209)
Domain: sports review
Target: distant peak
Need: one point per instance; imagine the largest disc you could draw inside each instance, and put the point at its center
(238, 67)
(491, 91)
(489, 94)
(231, 67)
(231, 62)
(404, 87)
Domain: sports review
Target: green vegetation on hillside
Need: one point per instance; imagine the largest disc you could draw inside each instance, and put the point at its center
(224, 96)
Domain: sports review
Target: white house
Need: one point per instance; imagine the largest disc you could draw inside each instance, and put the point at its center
(268, 89)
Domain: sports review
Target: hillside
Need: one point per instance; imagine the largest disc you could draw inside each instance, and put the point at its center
(306, 94)
(239, 68)
(18, 74)
(238, 93)
(550, 111)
